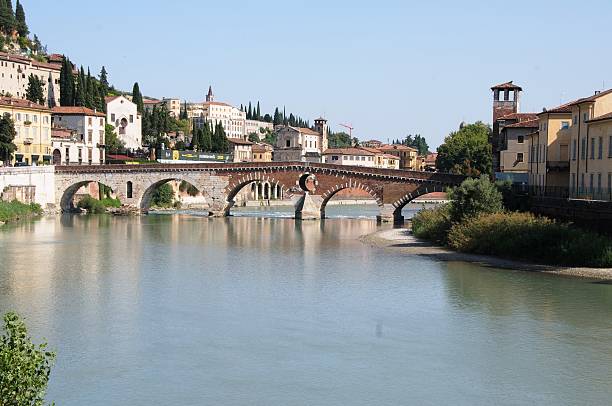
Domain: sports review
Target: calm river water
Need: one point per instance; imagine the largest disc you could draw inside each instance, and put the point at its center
(251, 310)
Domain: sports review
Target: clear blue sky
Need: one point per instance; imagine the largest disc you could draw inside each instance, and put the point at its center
(389, 67)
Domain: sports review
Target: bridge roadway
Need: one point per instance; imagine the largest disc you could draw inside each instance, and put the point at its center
(311, 184)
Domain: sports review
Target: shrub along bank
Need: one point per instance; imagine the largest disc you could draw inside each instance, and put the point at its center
(95, 206)
(13, 211)
(469, 225)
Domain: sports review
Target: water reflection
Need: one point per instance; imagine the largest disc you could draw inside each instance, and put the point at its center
(188, 310)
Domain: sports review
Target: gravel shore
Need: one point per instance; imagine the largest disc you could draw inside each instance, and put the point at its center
(401, 240)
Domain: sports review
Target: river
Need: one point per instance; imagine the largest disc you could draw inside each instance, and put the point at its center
(259, 309)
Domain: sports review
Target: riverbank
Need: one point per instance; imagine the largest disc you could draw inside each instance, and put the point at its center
(402, 241)
(15, 211)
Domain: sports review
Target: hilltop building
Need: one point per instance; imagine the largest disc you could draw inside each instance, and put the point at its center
(301, 144)
(15, 71)
(123, 115)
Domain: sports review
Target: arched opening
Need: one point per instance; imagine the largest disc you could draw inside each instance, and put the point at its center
(173, 193)
(88, 195)
(57, 157)
(351, 202)
(424, 198)
(129, 190)
(267, 195)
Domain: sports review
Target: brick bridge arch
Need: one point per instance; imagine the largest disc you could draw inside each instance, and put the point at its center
(220, 183)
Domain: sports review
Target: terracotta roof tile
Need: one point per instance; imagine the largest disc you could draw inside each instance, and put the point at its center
(347, 151)
(525, 124)
(591, 98)
(26, 104)
(395, 147)
(507, 85)
(76, 111)
(519, 116)
(601, 118)
(240, 141)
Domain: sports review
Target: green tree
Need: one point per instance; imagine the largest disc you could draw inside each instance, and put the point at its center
(137, 98)
(7, 18)
(20, 19)
(90, 93)
(113, 143)
(7, 136)
(34, 92)
(474, 197)
(278, 119)
(339, 140)
(258, 113)
(467, 151)
(163, 196)
(417, 142)
(66, 83)
(104, 81)
(79, 97)
(24, 366)
(249, 114)
(219, 140)
(206, 139)
(253, 137)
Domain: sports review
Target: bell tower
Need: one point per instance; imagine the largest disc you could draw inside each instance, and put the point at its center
(506, 98)
(210, 96)
(321, 128)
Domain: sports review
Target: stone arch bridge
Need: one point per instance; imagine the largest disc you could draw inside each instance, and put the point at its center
(311, 184)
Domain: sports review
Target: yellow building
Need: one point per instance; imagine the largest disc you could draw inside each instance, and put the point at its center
(33, 130)
(262, 153)
(548, 147)
(408, 157)
(591, 147)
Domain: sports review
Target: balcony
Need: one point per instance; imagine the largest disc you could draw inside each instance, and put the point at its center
(28, 141)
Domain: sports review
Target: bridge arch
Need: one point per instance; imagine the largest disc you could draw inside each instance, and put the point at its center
(149, 189)
(421, 191)
(330, 193)
(68, 193)
(264, 178)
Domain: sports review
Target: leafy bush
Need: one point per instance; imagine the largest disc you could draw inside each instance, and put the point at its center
(11, 211)
(432, 224)
(24, 366)
(512, 200)
(163, 196)
(473, 197)
(110, 202)
(93, 206)
(526, 236)
(189, 188)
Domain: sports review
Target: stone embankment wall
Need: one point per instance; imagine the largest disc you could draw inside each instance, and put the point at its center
(32, 184)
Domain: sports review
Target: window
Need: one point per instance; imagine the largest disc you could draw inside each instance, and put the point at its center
(582, 181)
(334, 157)
(564, 125)
(573, 181)
(574, 150)
(519, 157)
(35, 118)
(600, 150)
(129, 190)
(575, 120)
(89, 136)
(585, 116)
(101, 122)
(610, 147)
(131, 118)
(113, 117)
(90, 121)
(288, 143)
(609, 182)
(521, 139)
(599, 182)
(592, 148)
(583, 149)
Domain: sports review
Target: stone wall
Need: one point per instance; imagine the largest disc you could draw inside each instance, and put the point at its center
(32, 184)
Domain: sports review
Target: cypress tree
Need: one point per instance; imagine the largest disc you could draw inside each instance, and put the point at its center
(104, 81)
(79, 97)
(90, 97)
(137, 98)
(7, 18)
(250, 112)
(277, 119)
(20, 20)
(194, 137)
(206, 143)
(258, 113)
(34, 92)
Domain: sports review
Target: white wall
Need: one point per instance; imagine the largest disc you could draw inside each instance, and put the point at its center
(122, 109)
(43, 177)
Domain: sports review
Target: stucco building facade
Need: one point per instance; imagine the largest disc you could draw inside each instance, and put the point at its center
(89, 126)
(123, 115)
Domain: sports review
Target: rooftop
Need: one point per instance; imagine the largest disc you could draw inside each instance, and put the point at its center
(519, 116)
(506, 86)
(76, 111)
(240, 141)
(396, 147)
(26, 104)
(525, 124)
(601, 118)
(348, 151)
(592, 98)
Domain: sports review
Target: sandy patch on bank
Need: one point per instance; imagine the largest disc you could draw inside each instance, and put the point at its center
(401, 240)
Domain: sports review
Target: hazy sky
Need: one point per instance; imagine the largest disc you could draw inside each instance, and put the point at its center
(389, 68)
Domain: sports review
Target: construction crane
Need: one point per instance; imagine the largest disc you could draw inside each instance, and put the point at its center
(350, 128)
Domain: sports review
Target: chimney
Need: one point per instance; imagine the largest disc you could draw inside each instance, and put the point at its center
(597, 92)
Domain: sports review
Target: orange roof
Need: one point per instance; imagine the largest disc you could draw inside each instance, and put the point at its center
(214, 103)
(239, 141)
(601, 118)
(525, 124)
(262, 148)
(519, 116)
(591, 98)
(506, 86)
(61, 132)
(347, 151)
(76, 111)
(21, 103)
(396, 147)
(109, 99)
